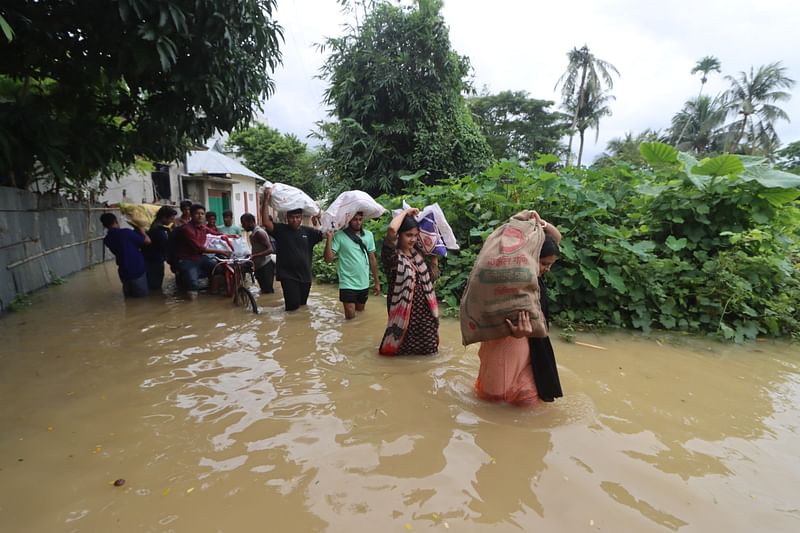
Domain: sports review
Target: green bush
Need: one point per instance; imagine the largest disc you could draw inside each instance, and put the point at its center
(709, 246)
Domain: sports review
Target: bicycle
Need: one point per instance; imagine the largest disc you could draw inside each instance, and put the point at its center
(235, 272)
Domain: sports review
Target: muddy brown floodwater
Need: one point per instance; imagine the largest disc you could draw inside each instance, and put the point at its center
(222, 421)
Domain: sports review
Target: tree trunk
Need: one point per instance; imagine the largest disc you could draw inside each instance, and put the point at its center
(690, 118)
(739, 137)
(578, 105)
(580, 150)
(569, 146)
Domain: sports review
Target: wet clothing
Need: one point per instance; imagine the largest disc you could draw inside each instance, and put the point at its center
(352, 250)
(135, 288)
(352, 296)
(192, 264)
(260, 242)
(296, 247)
(543, 359)
(265, 276)
(159, 241)
(155, 254)
(519, 371)
(413, 326)
(191, 270)
(126, 246)
(263, 265)
(505, 374)
(295, 293)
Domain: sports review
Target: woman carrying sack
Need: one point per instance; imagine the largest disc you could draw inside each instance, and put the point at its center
(413, 326)
(520, 368)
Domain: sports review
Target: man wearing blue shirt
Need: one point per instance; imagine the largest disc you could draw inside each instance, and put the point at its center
(126, 245)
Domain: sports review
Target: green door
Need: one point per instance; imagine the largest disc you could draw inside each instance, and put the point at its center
(216, 204)
(219, 201)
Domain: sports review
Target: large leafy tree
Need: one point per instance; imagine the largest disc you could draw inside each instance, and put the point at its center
(701, 125)
(753, 98)
(517, 126)
(277, 157)
(87, 86)
(397, 86)
(584, 84)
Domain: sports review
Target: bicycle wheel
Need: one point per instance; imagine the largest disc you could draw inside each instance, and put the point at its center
(246, 300)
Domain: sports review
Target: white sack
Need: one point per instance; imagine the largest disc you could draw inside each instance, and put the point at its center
(346, 205)
(287, 198)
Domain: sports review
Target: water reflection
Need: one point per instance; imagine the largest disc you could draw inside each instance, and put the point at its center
(220, 420)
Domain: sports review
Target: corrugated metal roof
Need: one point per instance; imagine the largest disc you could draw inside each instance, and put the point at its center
(213, 162)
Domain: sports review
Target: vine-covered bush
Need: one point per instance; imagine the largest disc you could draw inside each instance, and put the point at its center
(710, 246)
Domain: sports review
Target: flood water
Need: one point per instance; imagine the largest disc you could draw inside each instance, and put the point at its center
(222, 421)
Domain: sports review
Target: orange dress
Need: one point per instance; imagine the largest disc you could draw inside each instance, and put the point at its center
(505, 374)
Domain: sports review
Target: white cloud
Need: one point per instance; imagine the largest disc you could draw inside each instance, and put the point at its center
(522, 45)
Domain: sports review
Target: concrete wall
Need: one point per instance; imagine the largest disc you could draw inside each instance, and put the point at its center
(136, 187)
(45, 237)
(243, 199)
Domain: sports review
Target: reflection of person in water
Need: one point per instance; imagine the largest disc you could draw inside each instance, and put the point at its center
(514, 368)
(504, 483)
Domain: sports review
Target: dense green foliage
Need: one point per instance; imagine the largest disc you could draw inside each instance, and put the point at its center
(396, 88)
(517, 126)
(278, 157)
(87, 86)
(789, 157)
(710, 246)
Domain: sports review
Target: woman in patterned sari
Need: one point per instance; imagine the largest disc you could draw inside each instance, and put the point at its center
(413, 326)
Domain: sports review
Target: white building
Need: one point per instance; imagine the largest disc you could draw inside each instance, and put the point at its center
(207, 177)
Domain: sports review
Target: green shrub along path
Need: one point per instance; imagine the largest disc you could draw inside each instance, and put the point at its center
(708, 246)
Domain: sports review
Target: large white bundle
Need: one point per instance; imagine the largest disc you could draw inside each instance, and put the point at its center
(346, 205)
(432, 220)
(287, 198)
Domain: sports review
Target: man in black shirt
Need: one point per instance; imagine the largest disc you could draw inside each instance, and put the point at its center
(295, 244)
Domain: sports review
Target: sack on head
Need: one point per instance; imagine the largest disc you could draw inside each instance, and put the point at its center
(504, 281)
(346, 205)
(288, 198)
(139, 215)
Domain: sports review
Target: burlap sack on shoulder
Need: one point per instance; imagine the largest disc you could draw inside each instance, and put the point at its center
(504, 281)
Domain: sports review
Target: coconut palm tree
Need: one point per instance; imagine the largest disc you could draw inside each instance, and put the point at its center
(588, 114)
(753, 99)
(701, 121)
(582, 81)
(705, 65)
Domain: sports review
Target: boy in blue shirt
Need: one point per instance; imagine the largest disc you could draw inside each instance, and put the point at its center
(355, 248)
(126, 246)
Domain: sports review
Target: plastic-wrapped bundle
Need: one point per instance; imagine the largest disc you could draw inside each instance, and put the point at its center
(219, 243)
(346, 205)
(287, 198)
(436, 234)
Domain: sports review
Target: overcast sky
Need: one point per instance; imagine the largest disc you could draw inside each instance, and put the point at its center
(522, 45)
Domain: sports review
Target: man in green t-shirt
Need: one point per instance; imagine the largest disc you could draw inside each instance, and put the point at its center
(355, 248)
